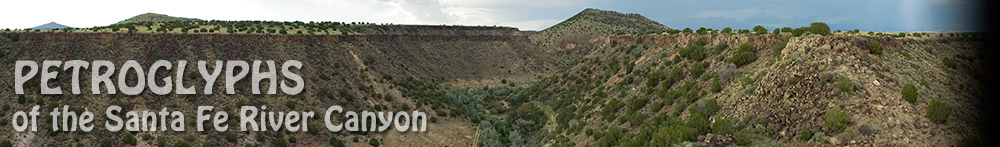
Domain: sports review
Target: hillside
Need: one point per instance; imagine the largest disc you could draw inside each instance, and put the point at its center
(587, 27)
(153, 17)
(793, 91)
(359, 72)
(50, 26)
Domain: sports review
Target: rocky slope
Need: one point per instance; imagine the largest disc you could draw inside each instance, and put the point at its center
(687, 89)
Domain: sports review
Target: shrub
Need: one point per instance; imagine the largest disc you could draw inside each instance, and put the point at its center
(129, 139)
(699, 123)
(687, 30)
(695, 52)
(875, 48)
(716, 86)
(806, 134)
(746, 54)
(160, 141)
(654, 78)
(711, 106)
(727, 30)
(488, 136)
(836, 120)
(672, 31)
(636, 103)
(279, 142)
(845, 84)
(778, 47)
(759, 29)
(291, 104)
(336, 142)
(182, 144)
(673, 134)
(700, 42)
(938, 112)
(697, 69)
(231, 137)
(723, 127)
(720, 47)
(819, 28)
(106, 142)
(949, 63)
(373, 142)
(910, 93)
(798, 32)
(6, 143)
(929, 50)
(786, 29)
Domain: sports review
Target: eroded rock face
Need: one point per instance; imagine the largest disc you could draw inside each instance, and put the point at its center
(575, 45)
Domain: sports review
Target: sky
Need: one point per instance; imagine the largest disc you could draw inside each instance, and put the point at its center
(868, 15)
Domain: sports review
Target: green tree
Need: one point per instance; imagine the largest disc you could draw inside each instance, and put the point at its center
(6, 143)
(806, 134)
(129, 139)
(701, 30)
(798, 32)
(938, 112)
(875, 48)
(727, 30)
(516, 140)
(694, 52)
(786, 29)
(687, 30)
(231, 137)
(910, 93)
(373, 142)
(716, 87)
(819, 28)
(746, 54)
(836, 120)
(845, 84)
(336, 142)
(759, 29)
(723, 127)
(489, 136)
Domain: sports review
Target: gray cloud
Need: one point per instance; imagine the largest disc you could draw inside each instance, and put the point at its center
(430, 11)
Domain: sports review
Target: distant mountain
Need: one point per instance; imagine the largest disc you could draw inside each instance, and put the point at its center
(528, 32)
(595, 21)
(153, 17)
(50, 26)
